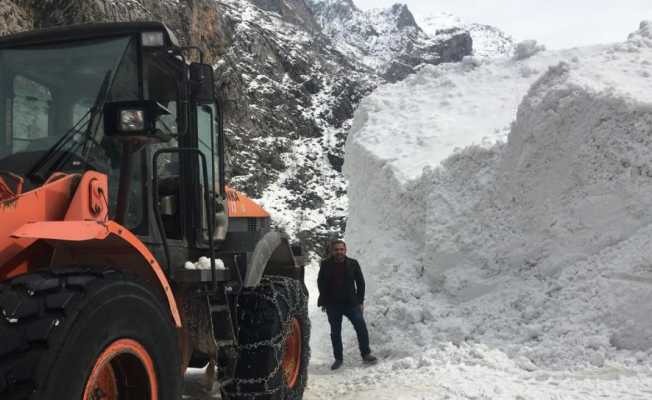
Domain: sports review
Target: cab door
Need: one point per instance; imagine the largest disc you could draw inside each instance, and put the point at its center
(209, 143)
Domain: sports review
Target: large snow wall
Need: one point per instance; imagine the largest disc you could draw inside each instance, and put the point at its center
(540, 245)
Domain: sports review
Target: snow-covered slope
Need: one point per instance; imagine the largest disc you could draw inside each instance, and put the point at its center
(289, 128)
(524, 230)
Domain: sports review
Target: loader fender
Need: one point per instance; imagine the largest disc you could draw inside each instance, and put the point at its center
(101, 245)
(272, 256)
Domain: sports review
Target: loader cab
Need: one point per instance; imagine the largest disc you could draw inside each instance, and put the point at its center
(122, 99)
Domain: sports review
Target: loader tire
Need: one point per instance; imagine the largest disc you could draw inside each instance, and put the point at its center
(83, 334)
(274, 342)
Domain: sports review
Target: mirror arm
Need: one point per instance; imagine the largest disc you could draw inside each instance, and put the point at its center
(196, 48)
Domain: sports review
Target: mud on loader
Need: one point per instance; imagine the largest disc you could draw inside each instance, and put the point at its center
(111, 178)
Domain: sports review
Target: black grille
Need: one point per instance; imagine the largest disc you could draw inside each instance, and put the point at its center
(252, 224)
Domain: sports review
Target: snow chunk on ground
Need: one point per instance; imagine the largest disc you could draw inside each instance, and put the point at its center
(204, 263)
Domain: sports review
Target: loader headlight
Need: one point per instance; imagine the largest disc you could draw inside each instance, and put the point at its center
(152, 39)
(132, 120)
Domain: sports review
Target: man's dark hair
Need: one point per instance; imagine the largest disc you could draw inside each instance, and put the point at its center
(337, 241)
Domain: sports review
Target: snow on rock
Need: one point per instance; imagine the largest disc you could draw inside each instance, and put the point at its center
(292, 96)
(488, 41)
(643, 36)
(509, 205)
(388, 41)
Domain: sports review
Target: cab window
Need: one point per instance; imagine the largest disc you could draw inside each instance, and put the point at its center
(207, 130)
(31, 110)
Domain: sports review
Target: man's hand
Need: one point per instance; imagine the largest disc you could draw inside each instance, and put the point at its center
(323, 308)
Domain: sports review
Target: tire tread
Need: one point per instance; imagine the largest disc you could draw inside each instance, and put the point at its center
(31, 308)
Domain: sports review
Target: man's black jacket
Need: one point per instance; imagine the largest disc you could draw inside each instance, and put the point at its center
(351, 290)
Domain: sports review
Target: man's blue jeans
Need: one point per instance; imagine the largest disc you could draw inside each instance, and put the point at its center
(354, 314)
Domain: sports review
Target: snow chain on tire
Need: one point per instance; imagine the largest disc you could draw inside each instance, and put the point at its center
(265, 316)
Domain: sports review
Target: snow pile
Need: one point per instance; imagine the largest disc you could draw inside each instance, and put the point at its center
(538, 246)
(422, 120)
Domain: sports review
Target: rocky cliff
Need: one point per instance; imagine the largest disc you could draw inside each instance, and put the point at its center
(388, 40)
(13, 18)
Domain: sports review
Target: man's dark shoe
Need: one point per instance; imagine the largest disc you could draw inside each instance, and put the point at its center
(336, 365)
(369, 359)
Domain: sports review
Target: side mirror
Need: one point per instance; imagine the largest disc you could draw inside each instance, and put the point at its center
(134, 120)
(202, 89)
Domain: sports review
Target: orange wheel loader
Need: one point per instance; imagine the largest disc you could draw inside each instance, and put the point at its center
(124, 257)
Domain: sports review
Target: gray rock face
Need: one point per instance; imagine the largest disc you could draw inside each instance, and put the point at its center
(488, 41)
(404, 17)
(13, 18)
(288, 90)
(193, 21)
(389, 41)
(293, 11)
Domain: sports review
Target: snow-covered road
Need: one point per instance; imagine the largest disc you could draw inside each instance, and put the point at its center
(473, 372)
(447, 371)
(456, 371)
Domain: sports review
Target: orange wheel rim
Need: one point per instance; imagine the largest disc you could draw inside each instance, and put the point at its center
(124, 370)
(292, 354)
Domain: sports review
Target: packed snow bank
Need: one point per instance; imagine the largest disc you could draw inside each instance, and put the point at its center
(422, 120)
(540, 246)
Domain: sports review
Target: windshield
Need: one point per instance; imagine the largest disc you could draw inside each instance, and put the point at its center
(50, 105)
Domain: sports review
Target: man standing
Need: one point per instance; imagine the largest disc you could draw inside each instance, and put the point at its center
(341, 293)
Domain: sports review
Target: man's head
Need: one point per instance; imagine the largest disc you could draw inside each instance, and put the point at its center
(338, 250)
